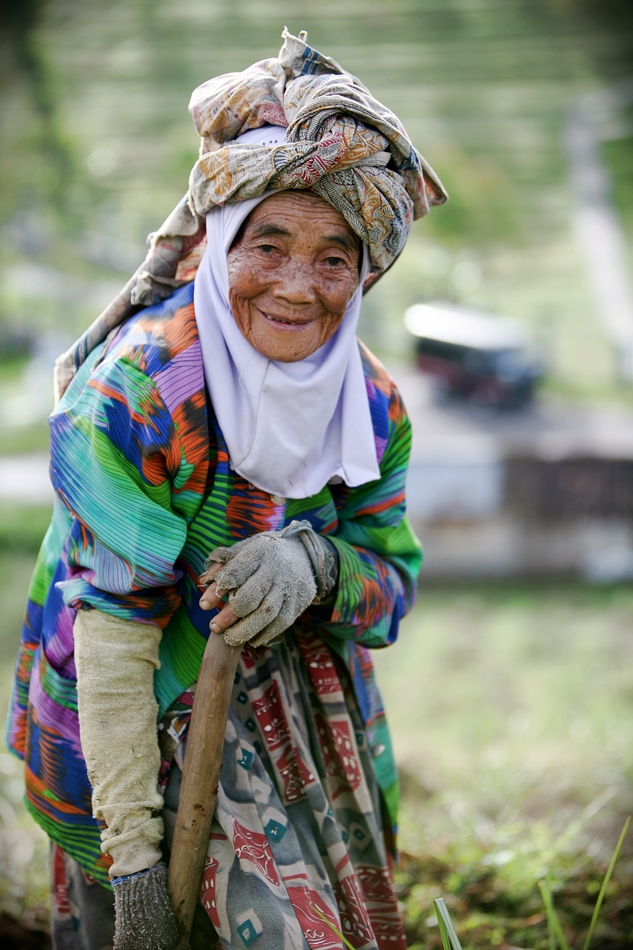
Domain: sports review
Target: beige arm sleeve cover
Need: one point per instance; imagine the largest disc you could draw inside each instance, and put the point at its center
(115, 662)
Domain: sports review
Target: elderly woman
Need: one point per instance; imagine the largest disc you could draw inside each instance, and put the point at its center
(221, 419)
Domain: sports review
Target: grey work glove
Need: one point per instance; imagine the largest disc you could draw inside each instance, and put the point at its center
(272, 578)
(144, 919)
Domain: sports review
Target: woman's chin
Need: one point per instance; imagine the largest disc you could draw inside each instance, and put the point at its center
(285, 347)
(285, 354)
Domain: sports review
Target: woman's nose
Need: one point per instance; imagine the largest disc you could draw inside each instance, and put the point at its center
(295, 284)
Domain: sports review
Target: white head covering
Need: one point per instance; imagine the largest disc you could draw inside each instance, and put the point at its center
(289, 427)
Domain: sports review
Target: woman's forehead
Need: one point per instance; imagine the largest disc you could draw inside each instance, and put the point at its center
(294, 211)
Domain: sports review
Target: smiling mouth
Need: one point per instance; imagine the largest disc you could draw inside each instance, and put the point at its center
(284, 321)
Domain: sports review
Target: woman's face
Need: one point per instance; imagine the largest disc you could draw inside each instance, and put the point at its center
(292, 273)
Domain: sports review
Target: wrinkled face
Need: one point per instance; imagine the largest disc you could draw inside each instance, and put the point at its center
(292, 272)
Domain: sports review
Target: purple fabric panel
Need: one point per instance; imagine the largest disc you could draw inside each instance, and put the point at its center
(182, 377)
(381, 445)
(53, 715)
(57, 628)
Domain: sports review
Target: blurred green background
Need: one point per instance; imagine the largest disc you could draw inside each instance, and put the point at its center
(511, 705)
(98, 144)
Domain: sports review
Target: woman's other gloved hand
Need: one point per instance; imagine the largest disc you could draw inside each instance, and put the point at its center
(270, 579)
(144, 919)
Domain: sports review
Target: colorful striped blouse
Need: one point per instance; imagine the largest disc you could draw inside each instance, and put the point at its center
(144, 490)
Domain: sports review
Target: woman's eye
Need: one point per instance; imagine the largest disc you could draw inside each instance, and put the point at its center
(334, 261)
(267, 248)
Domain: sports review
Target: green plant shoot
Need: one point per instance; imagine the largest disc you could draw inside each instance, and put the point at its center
(605, 883)
(556, 934)
(450, 940)
(332, 927)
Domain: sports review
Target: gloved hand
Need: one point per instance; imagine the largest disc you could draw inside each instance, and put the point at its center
(271, 579)
(144, 919)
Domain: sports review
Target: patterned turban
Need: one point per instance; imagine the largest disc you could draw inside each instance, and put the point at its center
(341, 143)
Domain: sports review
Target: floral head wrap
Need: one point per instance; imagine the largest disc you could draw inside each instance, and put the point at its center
(341, 143)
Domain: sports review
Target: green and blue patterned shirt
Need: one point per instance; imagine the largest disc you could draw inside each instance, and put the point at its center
(144, 490)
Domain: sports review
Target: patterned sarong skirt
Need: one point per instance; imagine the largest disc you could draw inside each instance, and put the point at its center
(297, 856)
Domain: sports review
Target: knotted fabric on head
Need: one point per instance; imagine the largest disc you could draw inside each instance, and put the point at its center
(340, 142)
(289, 427)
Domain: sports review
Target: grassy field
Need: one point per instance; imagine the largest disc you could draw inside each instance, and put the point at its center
(510, 707)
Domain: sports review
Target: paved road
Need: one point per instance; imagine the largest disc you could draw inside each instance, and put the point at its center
(551, 428)
(458, 451)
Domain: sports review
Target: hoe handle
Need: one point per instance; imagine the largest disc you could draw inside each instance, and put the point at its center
(201, 771)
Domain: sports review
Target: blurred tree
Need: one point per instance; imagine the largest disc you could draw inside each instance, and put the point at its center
(25, 62)
(482, 202)
(18, 21)
(616, 15)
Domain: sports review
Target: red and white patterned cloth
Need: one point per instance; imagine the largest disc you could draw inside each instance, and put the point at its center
(296, 854)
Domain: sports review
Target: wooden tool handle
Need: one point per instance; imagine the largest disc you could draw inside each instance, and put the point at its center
(201, 771)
